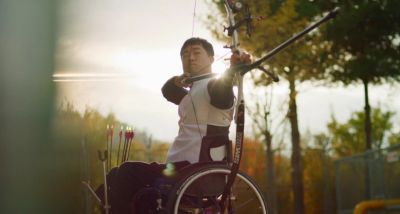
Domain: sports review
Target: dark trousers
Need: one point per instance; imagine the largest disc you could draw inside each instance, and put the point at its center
(130, 178)
(126, 180)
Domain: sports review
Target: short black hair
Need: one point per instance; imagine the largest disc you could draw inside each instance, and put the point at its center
(195, 41)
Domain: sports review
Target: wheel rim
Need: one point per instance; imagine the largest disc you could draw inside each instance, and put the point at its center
(245, 197)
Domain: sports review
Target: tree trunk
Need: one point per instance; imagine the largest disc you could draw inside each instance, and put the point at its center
(273, 203)
(297, 173)
(368, 136)
(329, 207)
(367, 124)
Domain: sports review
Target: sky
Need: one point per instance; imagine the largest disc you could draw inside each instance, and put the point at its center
(115, 55)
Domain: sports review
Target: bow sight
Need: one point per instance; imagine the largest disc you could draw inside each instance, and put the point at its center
(236, 6)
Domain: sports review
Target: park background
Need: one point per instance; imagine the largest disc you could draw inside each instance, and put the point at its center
(70, 68)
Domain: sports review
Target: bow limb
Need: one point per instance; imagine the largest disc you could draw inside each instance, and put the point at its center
(234, 47)
(231, 19)
(239, 115)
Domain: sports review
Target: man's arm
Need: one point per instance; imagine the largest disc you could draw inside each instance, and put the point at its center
(172, 92)
(221, 92)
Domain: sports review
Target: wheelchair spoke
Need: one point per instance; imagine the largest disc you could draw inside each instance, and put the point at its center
(243, 204)
(201, 192)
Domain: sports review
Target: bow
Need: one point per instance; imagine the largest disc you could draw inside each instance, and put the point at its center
(231, 8)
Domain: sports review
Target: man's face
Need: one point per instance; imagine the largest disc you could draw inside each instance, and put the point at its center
(196, 61)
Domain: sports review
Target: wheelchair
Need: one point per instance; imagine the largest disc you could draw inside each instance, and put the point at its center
(213, 185)
(205, 187)
(200, 188)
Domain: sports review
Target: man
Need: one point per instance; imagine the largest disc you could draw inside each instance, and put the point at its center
(205, 111)
(205, 107)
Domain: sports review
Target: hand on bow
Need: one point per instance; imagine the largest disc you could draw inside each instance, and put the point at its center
(180, 81)
(240, 58)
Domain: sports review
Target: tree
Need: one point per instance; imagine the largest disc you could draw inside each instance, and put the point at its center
(319, 174)
(262, 126)
(314, 166)
(365, 45)
(348, 138)
(394, 138)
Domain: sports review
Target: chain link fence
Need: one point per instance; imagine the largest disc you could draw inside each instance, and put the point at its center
(372, 175)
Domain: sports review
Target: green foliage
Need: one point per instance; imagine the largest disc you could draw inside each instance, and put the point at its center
(348, 138)
(394, 138)
(365, 38)
(282, 20)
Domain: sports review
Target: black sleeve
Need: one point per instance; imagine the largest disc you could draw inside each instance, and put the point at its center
(221, 92)
(172, 92)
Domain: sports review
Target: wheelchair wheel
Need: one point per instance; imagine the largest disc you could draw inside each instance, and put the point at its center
(200, 190)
